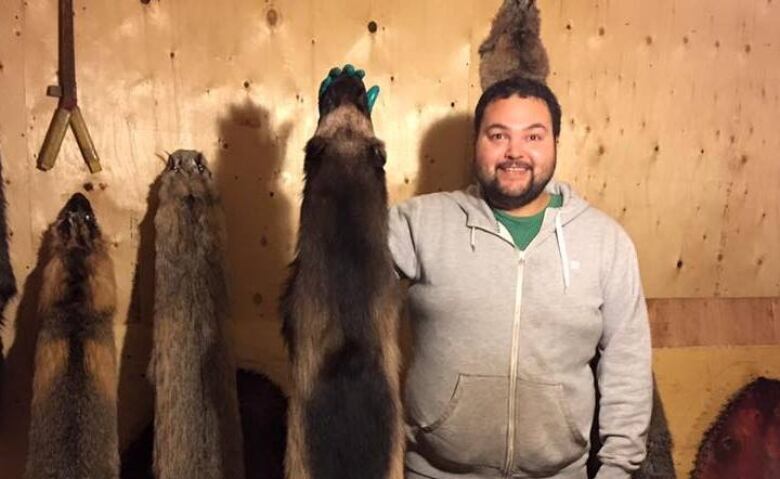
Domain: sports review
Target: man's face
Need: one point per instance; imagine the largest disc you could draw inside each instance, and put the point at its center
(514, 155)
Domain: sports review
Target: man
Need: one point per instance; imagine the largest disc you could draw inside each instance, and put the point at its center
(516, 284)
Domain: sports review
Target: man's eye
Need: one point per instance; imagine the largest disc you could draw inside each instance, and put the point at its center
(497, 136)
(534, 137)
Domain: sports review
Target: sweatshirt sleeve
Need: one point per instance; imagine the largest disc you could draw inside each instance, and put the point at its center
(401, 239)
(624, 371)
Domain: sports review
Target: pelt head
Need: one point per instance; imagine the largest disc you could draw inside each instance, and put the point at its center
(345, 89)
(344, 145)
(76, 225)
(186, 177)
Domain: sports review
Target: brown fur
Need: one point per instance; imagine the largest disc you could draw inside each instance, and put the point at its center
(51, 358)
(514, 47)
(73, 429)
(341, 305)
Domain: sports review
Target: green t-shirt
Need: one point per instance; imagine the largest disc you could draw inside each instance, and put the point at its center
(525, 228)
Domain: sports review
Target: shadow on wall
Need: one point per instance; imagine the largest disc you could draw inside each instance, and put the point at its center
(19, 370)
(445, 155)
(248, 168)
(135, 396)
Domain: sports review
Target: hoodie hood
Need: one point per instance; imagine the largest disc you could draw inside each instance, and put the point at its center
(480, 216)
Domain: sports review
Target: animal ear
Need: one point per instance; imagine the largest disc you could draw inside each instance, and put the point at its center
(315, 147)
(378, 154)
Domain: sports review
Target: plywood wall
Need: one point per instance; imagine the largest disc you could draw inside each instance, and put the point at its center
(670, 113)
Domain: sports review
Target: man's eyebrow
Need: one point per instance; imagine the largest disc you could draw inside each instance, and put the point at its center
(536, 125)
(505, 127)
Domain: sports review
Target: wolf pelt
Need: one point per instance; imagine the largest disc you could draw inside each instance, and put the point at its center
(341, 305)
(513, 46)
(7, 278)
(73, 428)
(197, 429)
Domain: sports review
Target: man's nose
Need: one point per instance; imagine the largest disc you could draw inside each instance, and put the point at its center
(515, 149)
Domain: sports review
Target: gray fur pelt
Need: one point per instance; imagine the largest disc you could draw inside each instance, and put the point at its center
(73, 428)
(197, 428)
(513, 47)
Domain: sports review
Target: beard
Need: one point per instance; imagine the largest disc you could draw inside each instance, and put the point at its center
(498, 197)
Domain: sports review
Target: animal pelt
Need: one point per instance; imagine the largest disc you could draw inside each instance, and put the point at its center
(513, 47)
(7, 279)
(341, 305)
(658, 463)
(73, 429)
(263, 409)
(744, 440)
(197, 430)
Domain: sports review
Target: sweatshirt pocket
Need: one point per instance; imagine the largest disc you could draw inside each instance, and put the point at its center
(546, 436)
(473, 426)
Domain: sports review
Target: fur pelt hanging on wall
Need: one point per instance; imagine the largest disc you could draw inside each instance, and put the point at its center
(197, 429)
(744, 440)
(7, 279)
(513, 46)
(341, 305)
(73, 429)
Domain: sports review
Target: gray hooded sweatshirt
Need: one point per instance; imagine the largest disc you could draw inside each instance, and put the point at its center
(499, 383)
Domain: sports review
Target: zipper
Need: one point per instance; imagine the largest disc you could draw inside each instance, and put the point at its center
(511, 414)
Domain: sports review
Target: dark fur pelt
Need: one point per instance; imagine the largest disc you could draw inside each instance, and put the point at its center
(341, 305)
(513, 47)
(263, 409)
(659, 463)
(73, 429)
(197, 430)
(744, 440)
(7, 279)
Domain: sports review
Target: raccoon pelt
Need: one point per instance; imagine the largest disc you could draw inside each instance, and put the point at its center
(263, 409)
(744, 440)
(197, 429)
(73, 423)
(658, 463)
(7, 278)
(341, 305)
(513, 46)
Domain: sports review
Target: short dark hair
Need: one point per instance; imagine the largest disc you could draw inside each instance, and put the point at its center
(524, 88)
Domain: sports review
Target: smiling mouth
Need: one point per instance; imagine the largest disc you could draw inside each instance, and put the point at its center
(514, 168)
